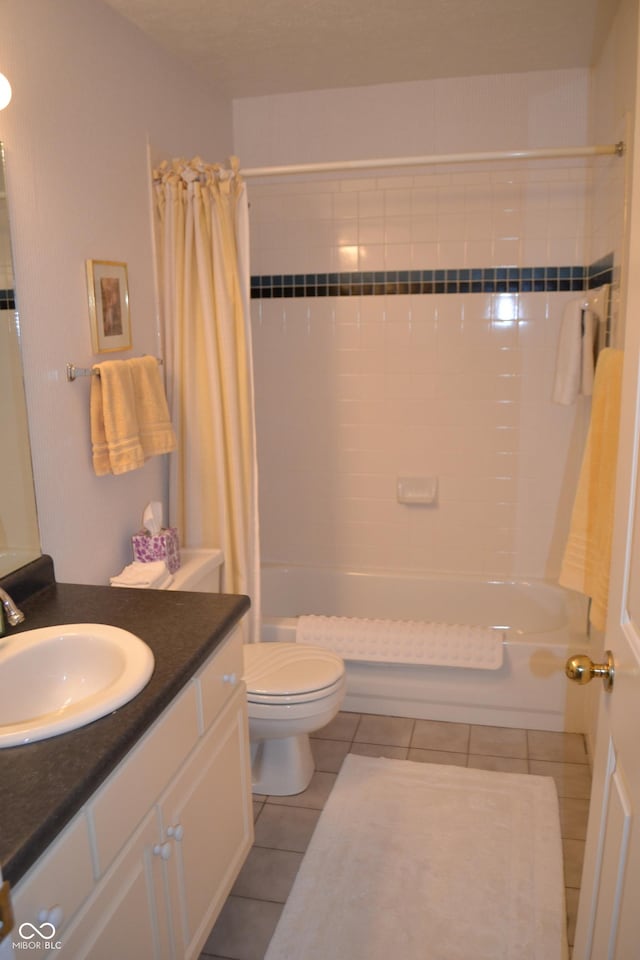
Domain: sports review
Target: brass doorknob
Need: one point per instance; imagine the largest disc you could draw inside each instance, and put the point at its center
(582, 669)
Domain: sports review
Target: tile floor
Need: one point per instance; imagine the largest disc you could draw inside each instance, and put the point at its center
(284, 825)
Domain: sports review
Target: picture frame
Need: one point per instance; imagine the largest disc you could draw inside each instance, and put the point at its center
(108, 290)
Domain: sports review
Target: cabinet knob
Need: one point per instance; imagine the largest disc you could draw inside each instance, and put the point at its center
(176, 832)
(230, 678)
(162, 850)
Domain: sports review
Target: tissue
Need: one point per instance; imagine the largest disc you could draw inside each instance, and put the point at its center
(152, 518)
(154, 542)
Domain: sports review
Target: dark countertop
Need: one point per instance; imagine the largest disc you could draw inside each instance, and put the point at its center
(44, 784)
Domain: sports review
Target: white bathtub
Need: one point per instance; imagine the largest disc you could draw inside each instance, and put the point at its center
(543, 625)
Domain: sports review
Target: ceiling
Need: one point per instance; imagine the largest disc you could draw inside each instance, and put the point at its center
(248, 48)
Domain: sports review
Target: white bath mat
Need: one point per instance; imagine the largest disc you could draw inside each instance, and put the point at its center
(404, 641)
(427, 862)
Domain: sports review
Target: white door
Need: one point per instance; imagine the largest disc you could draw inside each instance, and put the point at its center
(608, 924)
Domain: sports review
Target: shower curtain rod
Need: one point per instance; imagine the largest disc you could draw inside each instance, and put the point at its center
(345, 165)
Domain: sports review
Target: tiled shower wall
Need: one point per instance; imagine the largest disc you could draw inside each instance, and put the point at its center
(361, 379)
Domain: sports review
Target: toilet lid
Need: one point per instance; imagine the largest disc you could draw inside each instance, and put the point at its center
(283, 669)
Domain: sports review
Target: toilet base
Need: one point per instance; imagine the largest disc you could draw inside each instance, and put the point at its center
(281, 767)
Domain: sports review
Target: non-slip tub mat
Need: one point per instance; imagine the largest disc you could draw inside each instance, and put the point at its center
(429, 862)
(405, 641)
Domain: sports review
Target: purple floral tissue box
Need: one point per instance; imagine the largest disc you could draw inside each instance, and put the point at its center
(161, 546)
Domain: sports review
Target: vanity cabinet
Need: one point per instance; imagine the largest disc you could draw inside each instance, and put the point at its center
(125, 916)
(155, 852)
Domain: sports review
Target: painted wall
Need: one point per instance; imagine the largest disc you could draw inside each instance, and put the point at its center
(508, 112)
(90, 93)
(354, 391)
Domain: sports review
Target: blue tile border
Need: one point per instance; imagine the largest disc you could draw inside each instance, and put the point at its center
(7, 300)
(600, 271)
(464, 280)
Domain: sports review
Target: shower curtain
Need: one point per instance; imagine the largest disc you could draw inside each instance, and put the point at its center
(203, 254)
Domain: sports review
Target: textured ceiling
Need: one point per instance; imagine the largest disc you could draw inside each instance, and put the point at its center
(253, 47)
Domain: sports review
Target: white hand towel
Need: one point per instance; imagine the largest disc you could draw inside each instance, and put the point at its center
(138, 574)
(588, 365)
(569, 361)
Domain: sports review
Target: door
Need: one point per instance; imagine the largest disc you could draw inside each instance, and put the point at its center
(608, 924)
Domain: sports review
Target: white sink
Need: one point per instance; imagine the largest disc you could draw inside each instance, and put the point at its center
(56, 679)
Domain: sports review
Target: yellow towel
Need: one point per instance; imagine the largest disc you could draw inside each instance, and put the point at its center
(154, 424)
(587, 559)
(116, 446)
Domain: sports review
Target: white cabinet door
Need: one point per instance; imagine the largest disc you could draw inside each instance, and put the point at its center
(126, 917)
(207, 814)
(55, 887)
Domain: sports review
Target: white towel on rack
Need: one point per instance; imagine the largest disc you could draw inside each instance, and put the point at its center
(589, 346)
(569, 361)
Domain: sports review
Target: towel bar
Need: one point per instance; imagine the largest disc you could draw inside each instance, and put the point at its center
(74, 372)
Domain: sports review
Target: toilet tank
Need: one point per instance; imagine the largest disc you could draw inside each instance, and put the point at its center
(200, 570)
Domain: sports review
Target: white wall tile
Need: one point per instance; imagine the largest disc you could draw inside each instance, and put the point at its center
(453, 385)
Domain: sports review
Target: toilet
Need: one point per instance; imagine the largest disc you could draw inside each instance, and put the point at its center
(292, 690)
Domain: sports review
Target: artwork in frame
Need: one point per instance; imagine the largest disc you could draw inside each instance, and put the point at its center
(108, 288)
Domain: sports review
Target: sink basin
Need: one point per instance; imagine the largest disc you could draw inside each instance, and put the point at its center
(56, 679)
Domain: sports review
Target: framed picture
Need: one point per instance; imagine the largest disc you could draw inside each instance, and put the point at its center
(108, 289)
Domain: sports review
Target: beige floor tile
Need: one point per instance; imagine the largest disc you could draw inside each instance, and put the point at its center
(573, 854)
(391, 731)
(574, 815)
(284, 825)
(500, 764)
(437, 756)
(243, 929)
(572, 779)
(439, 735)
(498, 742)
(379, 750)
(315, 796)
(267, 874)
(282, 828)
(342, 727)
(565, 747)
(572, 897)
(329, 754)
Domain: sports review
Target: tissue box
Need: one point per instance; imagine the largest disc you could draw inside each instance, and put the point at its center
(161, 546)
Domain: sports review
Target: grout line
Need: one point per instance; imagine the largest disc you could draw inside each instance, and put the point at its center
(351, 743)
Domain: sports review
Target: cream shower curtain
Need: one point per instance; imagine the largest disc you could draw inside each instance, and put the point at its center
(203, 240)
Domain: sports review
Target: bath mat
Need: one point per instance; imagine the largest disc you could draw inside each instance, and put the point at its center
(423, 861)
(405, 641)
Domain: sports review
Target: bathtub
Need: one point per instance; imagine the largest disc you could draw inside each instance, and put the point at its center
(543, 624)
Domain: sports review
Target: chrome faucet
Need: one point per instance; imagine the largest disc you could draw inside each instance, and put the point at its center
(13, 615)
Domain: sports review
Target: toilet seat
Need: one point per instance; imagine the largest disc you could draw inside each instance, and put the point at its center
(288, 673)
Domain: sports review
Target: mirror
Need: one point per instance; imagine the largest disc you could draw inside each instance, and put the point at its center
(19, 536)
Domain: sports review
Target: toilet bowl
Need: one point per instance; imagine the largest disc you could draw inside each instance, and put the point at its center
(292, 690)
